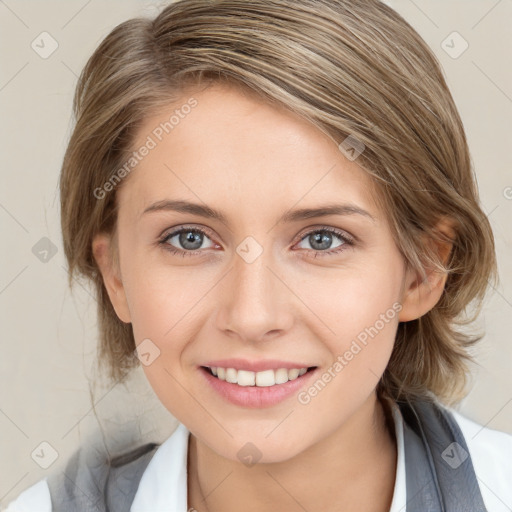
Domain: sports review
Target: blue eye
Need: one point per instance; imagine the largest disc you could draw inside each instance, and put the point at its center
(322, 239)
(190, 240)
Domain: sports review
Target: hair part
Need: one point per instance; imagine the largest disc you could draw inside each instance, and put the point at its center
(349, 67)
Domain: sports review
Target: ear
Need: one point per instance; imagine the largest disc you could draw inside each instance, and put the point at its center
(104, 253)
(421, 295)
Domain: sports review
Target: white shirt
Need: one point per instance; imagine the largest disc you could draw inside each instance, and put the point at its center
(163, 486)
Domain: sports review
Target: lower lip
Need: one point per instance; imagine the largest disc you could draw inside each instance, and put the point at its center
(255, 397)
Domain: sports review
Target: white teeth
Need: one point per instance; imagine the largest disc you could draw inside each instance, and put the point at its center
(282, 375)
(245, 378)
(265, 378)
(293, 374)
(231, 375)
(260, 379)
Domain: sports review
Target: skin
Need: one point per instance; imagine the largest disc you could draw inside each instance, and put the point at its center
(255, 162)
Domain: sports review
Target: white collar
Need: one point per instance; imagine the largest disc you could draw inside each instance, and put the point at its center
(163, 486)
(399, 493)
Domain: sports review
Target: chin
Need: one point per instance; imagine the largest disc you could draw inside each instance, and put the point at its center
(254, 448)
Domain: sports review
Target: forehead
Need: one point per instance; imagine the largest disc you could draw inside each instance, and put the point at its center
(227, 145)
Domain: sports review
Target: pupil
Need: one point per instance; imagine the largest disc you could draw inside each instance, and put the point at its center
(190, 240)
(322, 238)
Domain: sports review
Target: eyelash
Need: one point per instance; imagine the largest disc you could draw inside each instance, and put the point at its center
(348, 241)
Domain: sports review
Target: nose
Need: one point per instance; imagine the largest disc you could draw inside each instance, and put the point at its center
(255, 305)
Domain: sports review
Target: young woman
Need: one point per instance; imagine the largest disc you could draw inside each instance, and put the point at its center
(276, 204)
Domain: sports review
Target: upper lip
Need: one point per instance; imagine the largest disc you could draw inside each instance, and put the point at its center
(255, 366)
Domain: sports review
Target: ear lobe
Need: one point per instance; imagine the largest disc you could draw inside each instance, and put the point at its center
(103, 251)
(422, 294)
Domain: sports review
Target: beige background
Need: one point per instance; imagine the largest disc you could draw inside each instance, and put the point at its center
(48, 335)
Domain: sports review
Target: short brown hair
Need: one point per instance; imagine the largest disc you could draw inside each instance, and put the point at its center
(350, 67)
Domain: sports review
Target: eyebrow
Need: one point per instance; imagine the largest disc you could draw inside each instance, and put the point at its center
(289, 216)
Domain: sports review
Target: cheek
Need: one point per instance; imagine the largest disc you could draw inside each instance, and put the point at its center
(162, 298)
(362, 311)
(167, 307)
(357, 319)
(347, 300)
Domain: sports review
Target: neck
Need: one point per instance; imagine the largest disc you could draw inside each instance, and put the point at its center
(351, 469)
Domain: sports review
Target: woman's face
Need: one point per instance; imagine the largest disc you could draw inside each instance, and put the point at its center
(265, 281)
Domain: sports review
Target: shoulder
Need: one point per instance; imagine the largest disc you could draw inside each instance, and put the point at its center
(488, 447)
(35, 497)
(491, 454)
(91, 471)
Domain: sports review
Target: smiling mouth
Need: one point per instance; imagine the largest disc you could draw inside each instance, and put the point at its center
(264, 378)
